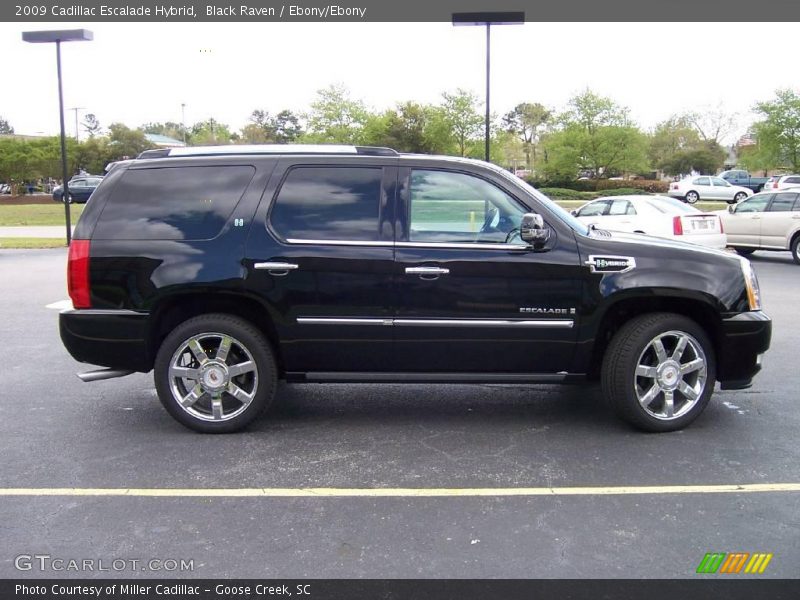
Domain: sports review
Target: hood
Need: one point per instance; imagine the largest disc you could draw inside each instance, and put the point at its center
(655, 242)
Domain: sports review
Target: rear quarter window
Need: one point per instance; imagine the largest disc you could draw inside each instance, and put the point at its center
(173, 203)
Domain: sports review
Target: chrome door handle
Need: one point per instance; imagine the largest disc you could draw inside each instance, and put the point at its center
(427, 271)
(279, 269)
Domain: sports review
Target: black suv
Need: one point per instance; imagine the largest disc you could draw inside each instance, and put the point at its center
(224, 269)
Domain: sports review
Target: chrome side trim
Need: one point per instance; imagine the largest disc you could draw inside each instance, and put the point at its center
(109, 312)
(427, 271)
(556, 323)
(276, 266)
(463, 246)
(343, 321)
(340, 243)
(369, 377)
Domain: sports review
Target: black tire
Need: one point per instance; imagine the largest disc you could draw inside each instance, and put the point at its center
(739, 197)
(691, 197)
(260, 381)
(744, 251)
(631, 344)
(796, 249)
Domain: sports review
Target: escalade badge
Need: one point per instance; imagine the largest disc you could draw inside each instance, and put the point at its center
(611, 264)
(547, 311)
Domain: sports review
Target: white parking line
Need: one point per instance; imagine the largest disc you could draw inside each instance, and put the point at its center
(746, 488)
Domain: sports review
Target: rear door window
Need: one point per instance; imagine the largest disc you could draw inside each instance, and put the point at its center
(173, 203)
(782, 202)
(329, 204)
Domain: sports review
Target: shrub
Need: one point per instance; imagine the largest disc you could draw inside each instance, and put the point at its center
(646, 185)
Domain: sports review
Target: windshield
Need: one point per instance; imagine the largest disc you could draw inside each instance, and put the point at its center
(557, 211)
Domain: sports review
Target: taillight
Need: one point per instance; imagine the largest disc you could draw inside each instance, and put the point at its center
(775, 185)
(677, 226)
(721, 228)
(78, 273)
(674, 186)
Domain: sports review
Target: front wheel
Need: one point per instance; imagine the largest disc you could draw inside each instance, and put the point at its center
(659, 372)
(691, 197)
(739, 197)
(796, 249)
(744, 251)
(215, 373)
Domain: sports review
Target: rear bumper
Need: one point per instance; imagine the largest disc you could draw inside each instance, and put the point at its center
(109, 338)
(745, 337)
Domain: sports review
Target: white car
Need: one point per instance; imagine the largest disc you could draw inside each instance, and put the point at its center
(704, 187)
(781, 182)
(654, 215)
(766, 221)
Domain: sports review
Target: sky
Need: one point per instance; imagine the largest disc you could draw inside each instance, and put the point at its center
(142, 72)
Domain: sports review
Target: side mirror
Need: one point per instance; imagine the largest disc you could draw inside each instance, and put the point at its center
(731, 208)
(533, 231)
(574, 213)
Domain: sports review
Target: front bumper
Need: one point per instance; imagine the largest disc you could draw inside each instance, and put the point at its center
(744, 338)
(109, 338)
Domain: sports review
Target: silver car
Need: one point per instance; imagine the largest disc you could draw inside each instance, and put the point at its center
(705, 187)
(767, 221)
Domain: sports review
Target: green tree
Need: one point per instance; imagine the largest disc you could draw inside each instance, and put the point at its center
(124, 142)
(706, 159)
(777, 133)
(406, 128)
(5, 127)
(460, 113)
(595, 134)
(264, 128)
(674, 135)
(210, 133)
(526, 121)
(335, 117)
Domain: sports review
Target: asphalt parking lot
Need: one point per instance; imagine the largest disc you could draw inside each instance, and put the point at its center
(56, 432)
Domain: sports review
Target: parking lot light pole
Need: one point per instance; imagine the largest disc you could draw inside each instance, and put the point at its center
(58, 36)
(488, 19)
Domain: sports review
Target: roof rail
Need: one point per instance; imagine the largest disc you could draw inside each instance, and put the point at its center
(268, 149)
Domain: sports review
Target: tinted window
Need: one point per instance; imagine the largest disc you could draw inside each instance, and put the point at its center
(719, 181)
(782, 202)
(329, 203)
(172, 203)
(792, 180)
(701, 181)
(455, 207)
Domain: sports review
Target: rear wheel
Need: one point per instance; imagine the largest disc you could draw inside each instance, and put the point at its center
(659, 372)
(691, 197)
(215, 373)
(744, 251)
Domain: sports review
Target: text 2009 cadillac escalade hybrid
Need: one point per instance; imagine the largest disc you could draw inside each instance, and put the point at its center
(225, 268)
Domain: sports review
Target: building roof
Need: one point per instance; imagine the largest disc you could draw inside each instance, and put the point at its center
(163, 141)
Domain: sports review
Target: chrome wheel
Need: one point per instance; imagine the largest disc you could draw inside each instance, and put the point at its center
(213, 377)
(671, 375)
(692, 197)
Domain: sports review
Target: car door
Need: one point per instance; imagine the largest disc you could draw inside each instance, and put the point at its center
(721, 189)
(473, 299)
(779, 220)
(743, 225)
(320, 259)
(702, 185)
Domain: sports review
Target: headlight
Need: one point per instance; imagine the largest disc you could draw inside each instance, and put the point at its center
(751, 283)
